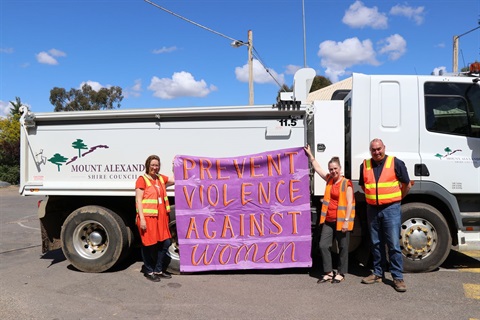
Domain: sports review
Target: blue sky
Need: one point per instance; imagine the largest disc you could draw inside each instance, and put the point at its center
(160, 60)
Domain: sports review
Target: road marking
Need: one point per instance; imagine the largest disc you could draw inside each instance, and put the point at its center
(26, 219)
(472, 291)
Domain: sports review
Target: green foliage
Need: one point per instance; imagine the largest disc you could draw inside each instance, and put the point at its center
(10, 144)
(10, 174)
(58, 159)
(86, 98)
(320, 82)
(79, 145)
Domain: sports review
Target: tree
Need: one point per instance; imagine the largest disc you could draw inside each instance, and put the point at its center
(10, 144)
(86, 98)
(320, 82)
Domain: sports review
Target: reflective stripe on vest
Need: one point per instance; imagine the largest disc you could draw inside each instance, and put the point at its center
(151, 195)
(342, 205)
(150, 198)
(164, 190)
(387, 189)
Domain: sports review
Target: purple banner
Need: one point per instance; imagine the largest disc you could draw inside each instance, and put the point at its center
(246, 212)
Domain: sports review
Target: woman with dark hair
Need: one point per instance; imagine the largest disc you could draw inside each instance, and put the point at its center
(337, 215)
(152, 219)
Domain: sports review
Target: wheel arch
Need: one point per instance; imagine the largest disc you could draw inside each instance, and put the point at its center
(441, 205)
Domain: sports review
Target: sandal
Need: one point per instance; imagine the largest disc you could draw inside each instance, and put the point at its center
(338, 278)
(327, 278)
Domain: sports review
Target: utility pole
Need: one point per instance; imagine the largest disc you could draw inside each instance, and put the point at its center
(250, 67)
(455, 48)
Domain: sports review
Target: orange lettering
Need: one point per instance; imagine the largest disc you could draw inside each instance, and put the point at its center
(242, 224)
(186, 168)
(270, 248)
(227, 225)
(205, 168)
(294, 221)
(219, 171)
(291, 162)
(245, 193)
(276, 224)
(261, 192)
(225, 201)
(189, 199)
(237, 168)
(271, 163)
(259, 226)
(277, 195)
(192, 227)
(205, 228)
(293, 190)
(253, 166)
(209, 193)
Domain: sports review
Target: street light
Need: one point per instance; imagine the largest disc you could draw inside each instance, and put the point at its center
(249, 44)
(455, 48)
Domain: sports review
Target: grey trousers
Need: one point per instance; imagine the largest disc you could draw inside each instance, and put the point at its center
(326, 238)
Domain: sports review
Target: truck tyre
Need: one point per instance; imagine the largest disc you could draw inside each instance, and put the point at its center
(425, 238)
(94, 239)
(173, 251)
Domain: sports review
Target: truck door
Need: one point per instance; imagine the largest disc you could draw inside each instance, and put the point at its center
(450, 134)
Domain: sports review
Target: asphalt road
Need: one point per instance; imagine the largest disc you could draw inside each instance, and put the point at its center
(47, 287)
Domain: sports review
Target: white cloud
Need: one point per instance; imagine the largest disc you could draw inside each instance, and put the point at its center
(395, 46)
(57, 53)
(291, 69)
(335, 57)
(260, 75)
(164, 50)
(94, 84)
(49, 57)
(182, 84)
(439, 71)
(6, 50)
(440, 45)
(359, 16)
(133, 91)
(44, 58)
(416, 14)
(4, 109)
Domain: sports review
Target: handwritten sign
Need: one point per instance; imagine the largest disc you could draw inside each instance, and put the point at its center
(247, 212)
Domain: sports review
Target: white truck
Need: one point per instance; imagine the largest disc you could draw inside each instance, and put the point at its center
(86, 162)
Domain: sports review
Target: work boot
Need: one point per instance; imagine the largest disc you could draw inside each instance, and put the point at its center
(373, 278)
(399, 285)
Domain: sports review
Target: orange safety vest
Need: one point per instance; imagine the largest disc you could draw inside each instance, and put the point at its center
(342, 205)
(150, 197)
(387, 189)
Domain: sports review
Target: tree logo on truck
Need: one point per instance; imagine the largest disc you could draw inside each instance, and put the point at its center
(448, 152)
(79, 145)
(59, 159)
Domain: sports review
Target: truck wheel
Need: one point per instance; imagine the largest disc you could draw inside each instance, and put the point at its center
(94, 238)
(173, 251)
(425, 238)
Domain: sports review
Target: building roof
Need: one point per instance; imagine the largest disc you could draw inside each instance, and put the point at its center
(326, 93)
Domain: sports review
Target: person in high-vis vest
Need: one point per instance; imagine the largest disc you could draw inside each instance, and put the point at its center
(385, 181)
(152, 219)
(336, 217)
